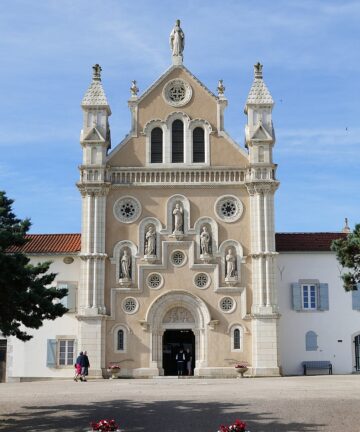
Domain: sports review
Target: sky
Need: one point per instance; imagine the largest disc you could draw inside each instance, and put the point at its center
(309, 49)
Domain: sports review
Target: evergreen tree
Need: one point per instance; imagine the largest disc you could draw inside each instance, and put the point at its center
(347, 251)
(26, 298)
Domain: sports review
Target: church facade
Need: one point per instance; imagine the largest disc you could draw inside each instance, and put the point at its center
(178, 244)
(178, 229)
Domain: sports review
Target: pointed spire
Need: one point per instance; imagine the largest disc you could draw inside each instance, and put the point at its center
(346, 228)
(95, 95)
(259, 93)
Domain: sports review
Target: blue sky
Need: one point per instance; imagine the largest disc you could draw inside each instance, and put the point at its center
(310, 53)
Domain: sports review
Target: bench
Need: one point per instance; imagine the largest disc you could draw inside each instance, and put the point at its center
(321, 364)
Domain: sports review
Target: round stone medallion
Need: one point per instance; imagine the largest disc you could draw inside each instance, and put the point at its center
(127, 209)
(177, 92)
(228, 208)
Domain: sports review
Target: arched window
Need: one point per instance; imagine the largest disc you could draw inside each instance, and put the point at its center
(120, 340)
(311, 341)
(237, 334)
(177, 154)
(198, 145)
(156, 145)
(236, 339)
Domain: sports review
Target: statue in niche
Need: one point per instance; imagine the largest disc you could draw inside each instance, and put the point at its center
(125, 264)
(205, 239)
(178, 218)
(150, 241)
(177, 40)
(230, 265)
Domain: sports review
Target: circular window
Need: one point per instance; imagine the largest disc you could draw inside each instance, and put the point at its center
(127, 209)
(201, 280)
(228, 208)
(154, 281)
(130, 305)
(177, 92)
(227, 304)
(178, 258)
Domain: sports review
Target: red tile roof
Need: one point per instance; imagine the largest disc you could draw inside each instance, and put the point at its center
(306, 242)
(71, 243)
(50, 243)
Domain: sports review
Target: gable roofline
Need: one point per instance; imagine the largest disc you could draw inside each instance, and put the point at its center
(166, 74)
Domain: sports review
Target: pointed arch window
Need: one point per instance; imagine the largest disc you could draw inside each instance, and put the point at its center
(198, 145)
(177, 135)
(156, 145)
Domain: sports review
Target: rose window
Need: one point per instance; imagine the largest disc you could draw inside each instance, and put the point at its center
(177, 92)
(228, 208)
(130, 305)
(201, 280)
(154, 280)
(178, 258)
(127, 209)
(227, 304)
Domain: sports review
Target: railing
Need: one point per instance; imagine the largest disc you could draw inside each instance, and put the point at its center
(141, 177)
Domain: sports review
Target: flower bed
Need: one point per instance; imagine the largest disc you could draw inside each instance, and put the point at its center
(238, 426)
(105, 426)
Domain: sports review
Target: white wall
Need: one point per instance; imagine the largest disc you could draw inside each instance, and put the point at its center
(340, 322)
(28, 359)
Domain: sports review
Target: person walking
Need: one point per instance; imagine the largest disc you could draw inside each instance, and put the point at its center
(85, 364)
(78, 366)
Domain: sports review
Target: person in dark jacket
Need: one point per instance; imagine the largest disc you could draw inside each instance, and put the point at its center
(78, 366)
(85, 364)
(180, 362)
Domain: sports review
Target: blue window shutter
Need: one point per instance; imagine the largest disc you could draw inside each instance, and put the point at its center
(311, 341)
(324, 296)
(296, 296)
(51, 353)
(356, 298)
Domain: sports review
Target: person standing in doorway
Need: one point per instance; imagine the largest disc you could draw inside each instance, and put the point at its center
(180, 362)
(188, 357)
(85, 364)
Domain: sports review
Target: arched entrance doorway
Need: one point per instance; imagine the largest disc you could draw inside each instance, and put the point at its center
(173, 342)
(177, 311)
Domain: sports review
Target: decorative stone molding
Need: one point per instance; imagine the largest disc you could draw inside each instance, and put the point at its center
(178, 258)
(178, 315)
(115, 260)
(177, 92)
(155, 281)
(201, 280)
(228, 208)
(127, 209)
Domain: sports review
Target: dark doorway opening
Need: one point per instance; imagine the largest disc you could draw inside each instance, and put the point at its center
(173, 341)
(357, 353)
(3, 346)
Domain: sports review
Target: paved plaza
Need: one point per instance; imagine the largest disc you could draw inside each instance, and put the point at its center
(313, 403)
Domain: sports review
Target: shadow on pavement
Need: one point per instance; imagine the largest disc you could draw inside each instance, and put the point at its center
(156, 416)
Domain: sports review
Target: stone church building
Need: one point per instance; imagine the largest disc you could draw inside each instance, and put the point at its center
(178, 245)
(178, 228)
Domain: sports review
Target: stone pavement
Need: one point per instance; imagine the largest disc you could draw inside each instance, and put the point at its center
(313, 403)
